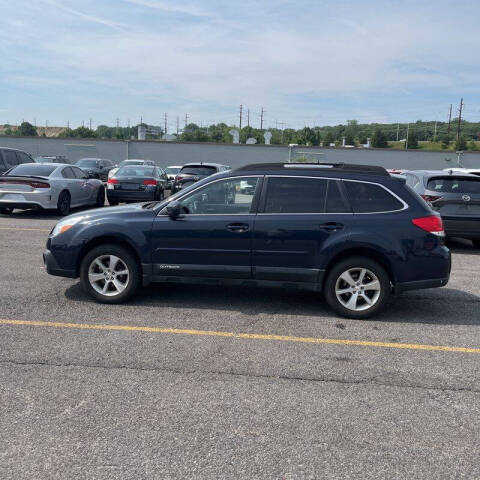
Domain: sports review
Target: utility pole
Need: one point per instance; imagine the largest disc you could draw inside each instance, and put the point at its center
(435, 132)
(165, 116)
(459, 117)
(262, 113)
(141, 120)
(90, 124)
(186, 119)
(68, 124)
(248, 117)
(240, 121)
(178, 125)
(406, 141)
(398, 129)
(449, 119)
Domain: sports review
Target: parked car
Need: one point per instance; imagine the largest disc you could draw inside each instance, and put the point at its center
(352, 232)
(52, 159)
(172, 172)
(9, 158)
(95, 167)
(455, 195)
(137, 183)
(133, 161)
(48, 186)
(193, 172)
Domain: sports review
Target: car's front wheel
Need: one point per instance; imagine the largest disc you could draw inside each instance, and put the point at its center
(110, 273)
(6, 210)
(357, 287)
(100, 197)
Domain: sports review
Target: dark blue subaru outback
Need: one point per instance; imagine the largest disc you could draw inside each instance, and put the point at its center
(353, 232)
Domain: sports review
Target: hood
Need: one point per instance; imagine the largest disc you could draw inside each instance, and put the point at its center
(104, 212)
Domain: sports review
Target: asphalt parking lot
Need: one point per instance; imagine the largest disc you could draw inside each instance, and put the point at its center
(202, 382)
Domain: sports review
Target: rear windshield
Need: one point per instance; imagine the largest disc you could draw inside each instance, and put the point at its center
(454, 185)
(133, 171)
(87, 162)
(172, 170)
(198, 170)
(37, 170)
(131, 162)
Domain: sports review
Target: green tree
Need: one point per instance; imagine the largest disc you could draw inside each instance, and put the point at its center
(472, 145)
(328, 139)
(27, 130)
(307, 136)
(446, 140)
(379, 140)
(83, 132)
(461, 143)
(412, 139)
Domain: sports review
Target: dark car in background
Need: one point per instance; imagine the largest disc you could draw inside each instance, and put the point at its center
(95, 167)
(137, 183)
(455, 195)
(352, 232)
(193, 172)
(10, 157)
(172, 171)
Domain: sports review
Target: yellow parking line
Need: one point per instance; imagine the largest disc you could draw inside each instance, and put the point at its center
(247, 336)
(27, 229)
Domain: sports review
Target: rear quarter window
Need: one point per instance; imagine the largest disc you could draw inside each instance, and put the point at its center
(371, 198)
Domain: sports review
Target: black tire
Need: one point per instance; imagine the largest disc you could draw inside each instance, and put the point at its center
(353, 264)
(162, 195)
(63, 204)
(100, 202)
(476, 242)
(112, 203)
(133, 267)
(6, 210)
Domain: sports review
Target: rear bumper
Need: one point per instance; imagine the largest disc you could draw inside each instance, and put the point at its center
(24, 200)
(130, 196)
(465, 227)
(53, 268)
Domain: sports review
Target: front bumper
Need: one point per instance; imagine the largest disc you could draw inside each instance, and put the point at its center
(53, 268)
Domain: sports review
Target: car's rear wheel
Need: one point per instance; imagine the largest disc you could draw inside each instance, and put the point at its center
(357, 287)
(63, 204)
(6, 210)
(100, 197)
(110, 273)
(112, 203)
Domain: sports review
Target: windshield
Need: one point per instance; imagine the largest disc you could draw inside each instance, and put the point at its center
(87, 162)
(172, 170)
(33, 169)
(135, 171)
(198, 170)
(454, 185)
(130, 162)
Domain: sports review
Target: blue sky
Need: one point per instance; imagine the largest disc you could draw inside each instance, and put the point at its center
(307, 62)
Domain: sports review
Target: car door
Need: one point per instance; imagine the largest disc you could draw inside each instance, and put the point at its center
(72, 185)
(86, 186)
(3, 165)
(212, 238)
(297, 219)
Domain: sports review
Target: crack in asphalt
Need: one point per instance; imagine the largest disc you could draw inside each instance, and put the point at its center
(367, 381)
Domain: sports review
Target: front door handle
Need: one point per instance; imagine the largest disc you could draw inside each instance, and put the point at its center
(238, 227)
(331, 226)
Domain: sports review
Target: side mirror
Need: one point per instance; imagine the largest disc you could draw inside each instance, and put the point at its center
(174, 209)
(101, 167)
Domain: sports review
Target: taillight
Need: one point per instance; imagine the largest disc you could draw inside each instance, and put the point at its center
(179, 177)
(40, 185)
(430, 198)
(431, 224)
(113, 181)
(150, 182)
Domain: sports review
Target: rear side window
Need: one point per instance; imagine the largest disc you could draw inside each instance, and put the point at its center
(68, 173)
(10, 158)
(370, 198)
(335, 202)
(454, 185)
(296, 195)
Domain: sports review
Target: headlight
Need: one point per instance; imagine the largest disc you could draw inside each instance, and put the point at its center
(65, 225)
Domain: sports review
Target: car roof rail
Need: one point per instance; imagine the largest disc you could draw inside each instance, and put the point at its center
(336, 167)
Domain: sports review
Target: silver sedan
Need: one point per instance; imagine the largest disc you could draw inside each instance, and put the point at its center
(48, 186)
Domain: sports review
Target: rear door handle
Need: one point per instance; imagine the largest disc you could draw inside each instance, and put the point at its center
(331, 226)
(238, 227)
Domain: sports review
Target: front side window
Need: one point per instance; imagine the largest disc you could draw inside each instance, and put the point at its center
(296, 195)
(371, 198)
(224, 197)
(80, 174)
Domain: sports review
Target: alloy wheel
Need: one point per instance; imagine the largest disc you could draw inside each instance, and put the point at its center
(358, 289)
(108, 275)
